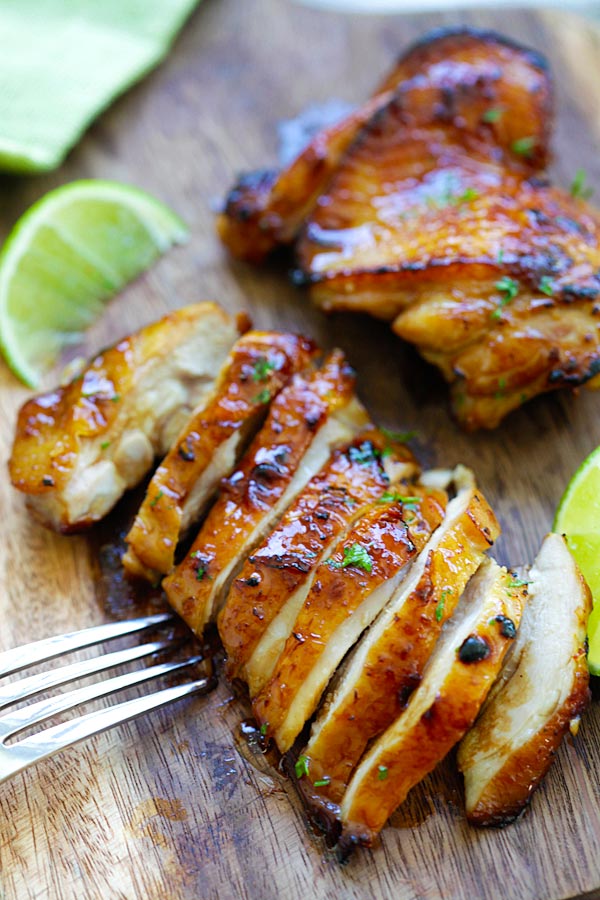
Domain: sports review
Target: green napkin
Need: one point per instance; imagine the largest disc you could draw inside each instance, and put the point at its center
(63, 61)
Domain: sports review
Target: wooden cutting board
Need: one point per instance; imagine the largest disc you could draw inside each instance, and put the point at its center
(175, 805)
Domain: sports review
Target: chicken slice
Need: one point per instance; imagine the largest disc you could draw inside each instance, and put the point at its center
(263, 602)
(350, 588)
(307, 419)
(455, 683)
(372, 688)
(208, 446)
(267, 208)
(78, 448)
(511, 746)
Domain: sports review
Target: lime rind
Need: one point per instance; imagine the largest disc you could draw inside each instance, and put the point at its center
(68, 254)
(578, 518)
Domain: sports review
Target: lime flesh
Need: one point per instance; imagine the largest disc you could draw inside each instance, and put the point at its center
(67, 255)
(578, 518)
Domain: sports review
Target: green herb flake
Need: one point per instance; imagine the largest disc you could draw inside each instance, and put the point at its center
(156, 499)
(382, 773)
(262, 397)
(579, 189)
(355, 555)
(105, 445)
(518, 583)
(398, 437)
(439, 610)
(392, 497)
(262, 369)
(546, 285)
(524, 146)
(509, 288)
(263, 729)
(364, 454)
(301, 767)
(116, 398)
(323, 782)
(492, 115)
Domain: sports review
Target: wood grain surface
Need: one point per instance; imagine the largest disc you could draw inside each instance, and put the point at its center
(176, 805)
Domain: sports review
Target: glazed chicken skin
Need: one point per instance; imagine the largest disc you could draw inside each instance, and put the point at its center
(267, 208)
(512, 745)
(492, 276)
(455, 683)
(78, 448)
(350, 588)
(436, 216)
(264, 600)
(210, 443)
(312, 414)
(374, 685)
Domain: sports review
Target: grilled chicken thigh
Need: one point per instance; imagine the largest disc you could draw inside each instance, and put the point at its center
(306, 420)
(267, 208)
(543, 692)
(455, 683)
(350, 588)
(209, 445)
(264, 600)
(372, 688)
(78, 448)
(431, 213)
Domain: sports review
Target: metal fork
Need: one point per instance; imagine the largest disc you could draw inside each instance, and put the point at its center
(21, 754)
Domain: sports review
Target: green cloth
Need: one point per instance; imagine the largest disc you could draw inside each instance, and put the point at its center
(63, 61)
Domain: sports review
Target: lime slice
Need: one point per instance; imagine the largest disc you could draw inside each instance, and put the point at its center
(69, 253)
(578, 518)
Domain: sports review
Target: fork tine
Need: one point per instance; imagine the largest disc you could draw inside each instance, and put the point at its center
(36, 713)
(40, 651)
(40, 746)
(35, 684)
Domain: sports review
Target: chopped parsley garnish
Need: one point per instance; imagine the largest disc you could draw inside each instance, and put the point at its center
(264, 728)
(323, 782)
(262, 397)
(156, 499)
(364, 454)
(439, 610)
(301, 767)
(391, 497)
(509, 288)
(399, 437)
(524, 146)
(262, 369)
(382, 773)
(517, 583)
(492, 115)
(578, 186)
(104, 445)
(546, 285)
(451, 196)
(355, 555)
(200, 573)
(116, 398)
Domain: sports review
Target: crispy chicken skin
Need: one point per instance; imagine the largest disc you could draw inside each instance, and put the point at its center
(79, 447)
(511, 746)
(492, 275)
(207, 448)
(374, 685)
(266, 208)
(306, 419)
(265, 598)
(455, 683)
(348, 592)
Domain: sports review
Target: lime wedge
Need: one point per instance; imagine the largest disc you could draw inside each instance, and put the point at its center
(578, 518)
(69, 253)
